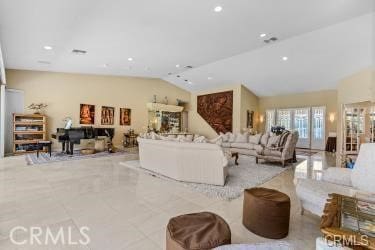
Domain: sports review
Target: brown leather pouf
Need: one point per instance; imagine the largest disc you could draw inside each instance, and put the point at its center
(266, 212)
(199, 231)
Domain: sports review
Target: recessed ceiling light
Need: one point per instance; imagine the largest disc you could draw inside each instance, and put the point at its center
(177, 65)
(285, 58)
(190, 83)
(263, 35)
(218, 9)
(47, 47)
(130, 59)
(105, 65)
(209, 78)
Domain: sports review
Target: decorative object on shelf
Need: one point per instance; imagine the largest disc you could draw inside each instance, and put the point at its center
(163, 107)
(249, 119)
(108, 115)
(154, 100)
(68, 122)
(87, 114)
(166, 100)
(37, 107)
(28, 130)
(217, 110)
(125, 117)
(180, 102)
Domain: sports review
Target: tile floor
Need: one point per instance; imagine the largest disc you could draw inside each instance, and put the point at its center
(125, 209)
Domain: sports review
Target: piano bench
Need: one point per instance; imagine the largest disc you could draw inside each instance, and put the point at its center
(41, 144)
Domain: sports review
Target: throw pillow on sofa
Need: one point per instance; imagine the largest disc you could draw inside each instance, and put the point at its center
(273, 141)
(255, 139)
(189, 137)
(241, 138)
(232, 137)
(200, 139)
(154, 136)
(264, 139)
(224, 136)
(218, 141)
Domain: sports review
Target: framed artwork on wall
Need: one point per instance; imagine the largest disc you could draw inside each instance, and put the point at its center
(125, 117)
(87, 114)
(108, 115)
(250, 119)
(217, 110)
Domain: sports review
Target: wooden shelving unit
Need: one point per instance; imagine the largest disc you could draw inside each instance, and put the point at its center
(28, 129)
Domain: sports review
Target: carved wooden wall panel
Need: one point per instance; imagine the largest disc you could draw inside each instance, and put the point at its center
(217, 110)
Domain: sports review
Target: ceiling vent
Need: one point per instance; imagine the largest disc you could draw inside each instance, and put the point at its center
(79, 52)
(272, 39)
(188, 67)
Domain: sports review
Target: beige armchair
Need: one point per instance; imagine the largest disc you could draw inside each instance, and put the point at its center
(282, 153)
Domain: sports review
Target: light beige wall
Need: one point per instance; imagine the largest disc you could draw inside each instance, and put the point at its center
(65, 92)
(249, 101)
(199, 126)
(326, 98)
(359, 87)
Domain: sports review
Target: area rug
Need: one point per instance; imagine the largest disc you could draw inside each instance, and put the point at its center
(43, 158)
(247, 174)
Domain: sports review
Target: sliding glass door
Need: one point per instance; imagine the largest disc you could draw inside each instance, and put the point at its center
(318, 128)
(302, 125)
(309, 122)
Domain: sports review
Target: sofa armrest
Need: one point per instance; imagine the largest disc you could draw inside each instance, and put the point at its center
(340, 176)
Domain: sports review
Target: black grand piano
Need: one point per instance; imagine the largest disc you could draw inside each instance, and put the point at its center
(69, 137)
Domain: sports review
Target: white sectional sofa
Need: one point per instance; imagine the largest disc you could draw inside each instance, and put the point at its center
(184, 161)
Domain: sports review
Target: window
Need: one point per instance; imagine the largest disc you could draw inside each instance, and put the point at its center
(270, 119)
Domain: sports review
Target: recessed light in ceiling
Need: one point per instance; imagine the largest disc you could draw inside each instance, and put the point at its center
(209, 78)
(218, 9)
(47, 47)
(285, 58)
(177, 65)
(105, 65)
(130, 59)
(190, 83)
(263, 35)
(178, 76)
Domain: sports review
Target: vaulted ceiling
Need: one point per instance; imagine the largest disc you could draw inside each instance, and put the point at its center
(324, 41)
